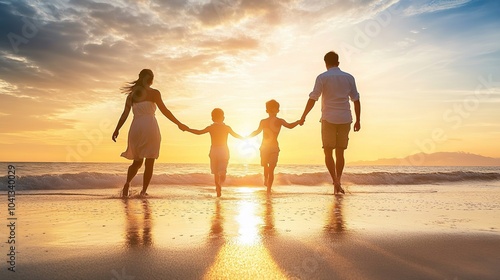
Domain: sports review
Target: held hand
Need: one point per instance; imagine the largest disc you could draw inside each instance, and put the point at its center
(301, 122)
(183, 127)
(357, 126)
(115, 135)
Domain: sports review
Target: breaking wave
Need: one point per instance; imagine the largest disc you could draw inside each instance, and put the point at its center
(95, 180)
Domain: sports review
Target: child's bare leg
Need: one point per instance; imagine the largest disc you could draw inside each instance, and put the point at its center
(222, 178)
(266, 175)
(148, 174)
(216, 179)
(270, 178)
(132, 171)
(217, 184)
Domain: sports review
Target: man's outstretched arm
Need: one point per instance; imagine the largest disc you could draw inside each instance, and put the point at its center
(357, 111)
(309, 106)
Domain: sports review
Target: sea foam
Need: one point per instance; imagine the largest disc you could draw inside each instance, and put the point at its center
(96, 180)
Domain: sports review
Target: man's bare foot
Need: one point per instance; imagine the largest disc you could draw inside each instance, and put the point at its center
(338, 188)
(143, 193)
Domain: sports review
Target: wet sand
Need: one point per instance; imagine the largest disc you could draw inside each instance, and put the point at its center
(414, 232)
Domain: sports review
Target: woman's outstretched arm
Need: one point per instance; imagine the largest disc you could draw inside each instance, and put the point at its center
(123, 118)
(166, 112)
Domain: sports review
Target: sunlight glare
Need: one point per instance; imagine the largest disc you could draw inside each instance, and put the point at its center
(248, 223)
(249, 148)
(245, 190)
(244, 262)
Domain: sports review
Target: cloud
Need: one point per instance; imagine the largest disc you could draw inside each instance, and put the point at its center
(82, 51)
(218, 12)
(232, 44)
(75, 51)
(46, 117)
(422, 7)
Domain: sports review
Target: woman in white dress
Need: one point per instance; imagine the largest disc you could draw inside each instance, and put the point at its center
(144, 136)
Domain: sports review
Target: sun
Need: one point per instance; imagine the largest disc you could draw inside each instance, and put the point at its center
(245, 150)
(248, 148)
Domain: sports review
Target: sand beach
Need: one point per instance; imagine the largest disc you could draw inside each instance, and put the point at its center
(299, 232)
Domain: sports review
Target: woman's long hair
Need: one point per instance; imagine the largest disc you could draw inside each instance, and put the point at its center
(136, 87)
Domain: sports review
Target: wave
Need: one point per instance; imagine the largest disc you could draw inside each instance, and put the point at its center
(95, 180)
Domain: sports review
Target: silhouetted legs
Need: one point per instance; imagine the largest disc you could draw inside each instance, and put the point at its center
(132, 171)
(269, 176)
(219, 180)
(339, 155)
(330, 163)
(148, 173)
(335, 170)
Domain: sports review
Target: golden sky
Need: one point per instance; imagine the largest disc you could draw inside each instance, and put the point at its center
(427, 73)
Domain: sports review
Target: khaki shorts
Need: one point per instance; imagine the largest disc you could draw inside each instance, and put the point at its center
(219, 157)
(269, 156)
(335, 135)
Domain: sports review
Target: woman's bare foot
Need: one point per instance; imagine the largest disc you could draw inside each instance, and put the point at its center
(143, 193)
(125, 192)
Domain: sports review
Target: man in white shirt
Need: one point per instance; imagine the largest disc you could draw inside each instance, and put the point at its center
(335, 88)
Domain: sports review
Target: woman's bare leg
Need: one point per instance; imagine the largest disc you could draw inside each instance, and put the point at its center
(148, 174)
(132, 171)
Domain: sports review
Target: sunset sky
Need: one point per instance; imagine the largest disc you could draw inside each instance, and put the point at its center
(427, 71)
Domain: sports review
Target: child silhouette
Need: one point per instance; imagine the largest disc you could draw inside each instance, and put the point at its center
(269, 148)
(219, 152)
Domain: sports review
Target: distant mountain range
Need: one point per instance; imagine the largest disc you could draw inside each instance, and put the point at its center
(436, 159)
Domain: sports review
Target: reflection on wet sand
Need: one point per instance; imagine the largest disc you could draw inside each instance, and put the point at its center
(245, 256)
(216, 229)
(138, 223)
(335, 221)
(268, 217)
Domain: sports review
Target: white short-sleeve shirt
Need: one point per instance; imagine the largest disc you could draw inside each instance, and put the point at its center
(335, 88)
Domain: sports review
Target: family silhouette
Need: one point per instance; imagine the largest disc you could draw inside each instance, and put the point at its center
(334, 86)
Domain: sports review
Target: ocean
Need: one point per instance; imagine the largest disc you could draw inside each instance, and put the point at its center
(42, 176)
(68, 219)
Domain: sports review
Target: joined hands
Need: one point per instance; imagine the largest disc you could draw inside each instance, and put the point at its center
(183, 127)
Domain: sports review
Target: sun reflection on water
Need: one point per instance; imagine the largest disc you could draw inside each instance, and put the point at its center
(248, 223)
(245, 256)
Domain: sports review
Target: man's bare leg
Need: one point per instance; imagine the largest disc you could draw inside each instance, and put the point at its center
(339, 167)
(330, 165)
